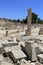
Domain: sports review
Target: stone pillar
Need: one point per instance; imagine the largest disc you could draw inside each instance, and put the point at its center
(28, 31)
(6, 32)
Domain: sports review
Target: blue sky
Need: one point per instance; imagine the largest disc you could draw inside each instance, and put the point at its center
(17, 9)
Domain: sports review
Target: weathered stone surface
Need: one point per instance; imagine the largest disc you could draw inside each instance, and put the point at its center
(40, 57)
(28, 31)
(9, 49)
(17, 55)
(29, 49)
(37, 49)
(9, 43)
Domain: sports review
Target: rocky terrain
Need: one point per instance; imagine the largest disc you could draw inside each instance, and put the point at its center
(21, 44)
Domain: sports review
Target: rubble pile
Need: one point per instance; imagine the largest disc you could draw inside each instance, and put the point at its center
(24, 52)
